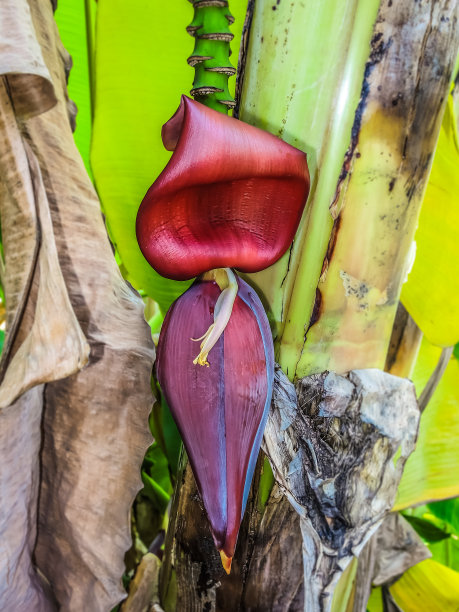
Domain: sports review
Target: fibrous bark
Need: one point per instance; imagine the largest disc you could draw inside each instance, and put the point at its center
(337, 446)
(192, 577)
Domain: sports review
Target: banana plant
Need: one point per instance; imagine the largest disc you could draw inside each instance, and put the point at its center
(358, 87)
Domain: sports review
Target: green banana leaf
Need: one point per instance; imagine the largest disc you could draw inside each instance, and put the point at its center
(431, 471)
(437, 524)
(76, 22)
(448, 511)
(429, 295)
(375, 603)
(447, 551)
(140, 61)
(165, 432)
(156, 478)
(428, 586)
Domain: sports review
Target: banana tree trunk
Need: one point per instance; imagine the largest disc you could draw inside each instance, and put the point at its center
(360, 86)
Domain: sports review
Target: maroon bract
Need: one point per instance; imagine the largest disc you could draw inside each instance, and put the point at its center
(231, 195)
(220, 409)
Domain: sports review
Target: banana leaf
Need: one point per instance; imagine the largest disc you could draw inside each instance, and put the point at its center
(76, 22)
(428, 294)
(429, 585)
(140, 61)
(430, 471)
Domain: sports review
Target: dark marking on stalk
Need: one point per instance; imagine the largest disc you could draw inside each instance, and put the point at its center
(405, 144)
(411, 188)
(288, 264)
(392, 183)
(395, 100)
(246, 28)
(331, 244)
(317, 310)
(396, 339)
(283, 280)
(379, 49)
(412, 182)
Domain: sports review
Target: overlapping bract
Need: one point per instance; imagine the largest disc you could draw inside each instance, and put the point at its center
(232, 195)
(221, 409)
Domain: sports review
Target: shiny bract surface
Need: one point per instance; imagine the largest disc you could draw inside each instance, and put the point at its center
(221, 409)
(232, 195)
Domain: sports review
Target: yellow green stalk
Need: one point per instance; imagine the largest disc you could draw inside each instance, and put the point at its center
(369, 120)
(306, 91)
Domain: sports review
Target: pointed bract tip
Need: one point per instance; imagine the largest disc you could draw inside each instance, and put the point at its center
(226, 561)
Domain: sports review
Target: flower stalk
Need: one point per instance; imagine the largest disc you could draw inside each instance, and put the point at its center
(210, 57)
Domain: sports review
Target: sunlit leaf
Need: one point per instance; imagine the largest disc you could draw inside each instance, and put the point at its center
(446, 552)
(76, 22)
(154, 492)
(375, 603)
(428, 294)
(427, 586)
(435, 524)
(448, 511)
(141, 73)
(430, 472)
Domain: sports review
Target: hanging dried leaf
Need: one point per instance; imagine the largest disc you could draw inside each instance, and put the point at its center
(68, 293)
(20, 585)
(29, 81)
(44, 341)
(334, 454)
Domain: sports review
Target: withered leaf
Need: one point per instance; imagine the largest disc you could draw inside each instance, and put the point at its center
(75, 443)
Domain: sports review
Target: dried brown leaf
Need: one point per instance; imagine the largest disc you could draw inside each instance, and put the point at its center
(338, 454)
(29, 81)
(64, 291)
(44, 341)
(21, 589)
(143, 589)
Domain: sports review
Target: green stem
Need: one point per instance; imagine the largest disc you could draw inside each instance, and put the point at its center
(210, 58)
